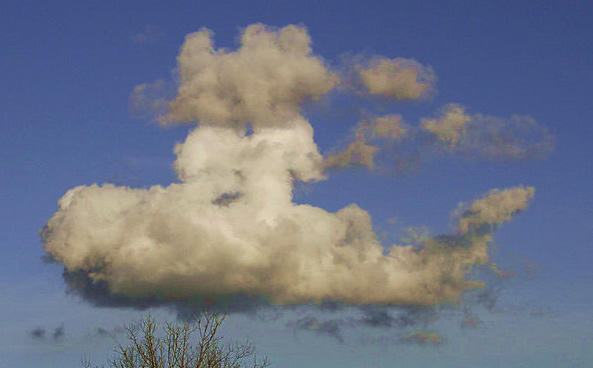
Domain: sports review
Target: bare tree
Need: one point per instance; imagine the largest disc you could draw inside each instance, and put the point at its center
(176, 351)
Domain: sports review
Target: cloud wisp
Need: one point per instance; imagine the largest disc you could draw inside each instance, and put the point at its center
(451, 133)
(149, 34)
(40, 333)
(488, 137)
(229, 230)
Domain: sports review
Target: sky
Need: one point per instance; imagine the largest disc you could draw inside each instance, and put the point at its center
(364, 184)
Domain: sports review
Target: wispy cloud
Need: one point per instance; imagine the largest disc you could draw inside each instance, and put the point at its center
(40, 333)
(388, 142)
(37, 333)
(147, 35)
(329, 327)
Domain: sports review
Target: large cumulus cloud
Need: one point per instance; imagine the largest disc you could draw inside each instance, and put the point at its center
(230, 227)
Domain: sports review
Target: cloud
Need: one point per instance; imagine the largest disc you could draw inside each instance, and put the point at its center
(263, 82)
(309, 323)
(150, 101)
(470, 319)
(416, 315)
(100, 331)
(401, 318)
(40, 333)
(489, 295)
(37, 333)
(449, 127)
(488, 137)
(98, 294)
(388, 143)
(398, 79)
(359, 152)
(175, 243)
(423, 338)
(378, 318)
(149, 34)
(228, 233)
(389, 126)
(495, 208)
(58, 333)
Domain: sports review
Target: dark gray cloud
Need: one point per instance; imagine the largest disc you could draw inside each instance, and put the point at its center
(41, 333)
(97, 293)
(416, 315)
(37, 333)
(330, 327)
(378, 318)
(397, 317)
(100, 331)
(58, 333)
(489, 295)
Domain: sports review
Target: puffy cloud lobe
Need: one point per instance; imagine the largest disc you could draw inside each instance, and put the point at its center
(449, 127)
(215, 151)
(400, 79)
(263, 82)
(497, 207)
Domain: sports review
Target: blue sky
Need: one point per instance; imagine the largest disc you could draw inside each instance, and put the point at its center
(71, 71)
